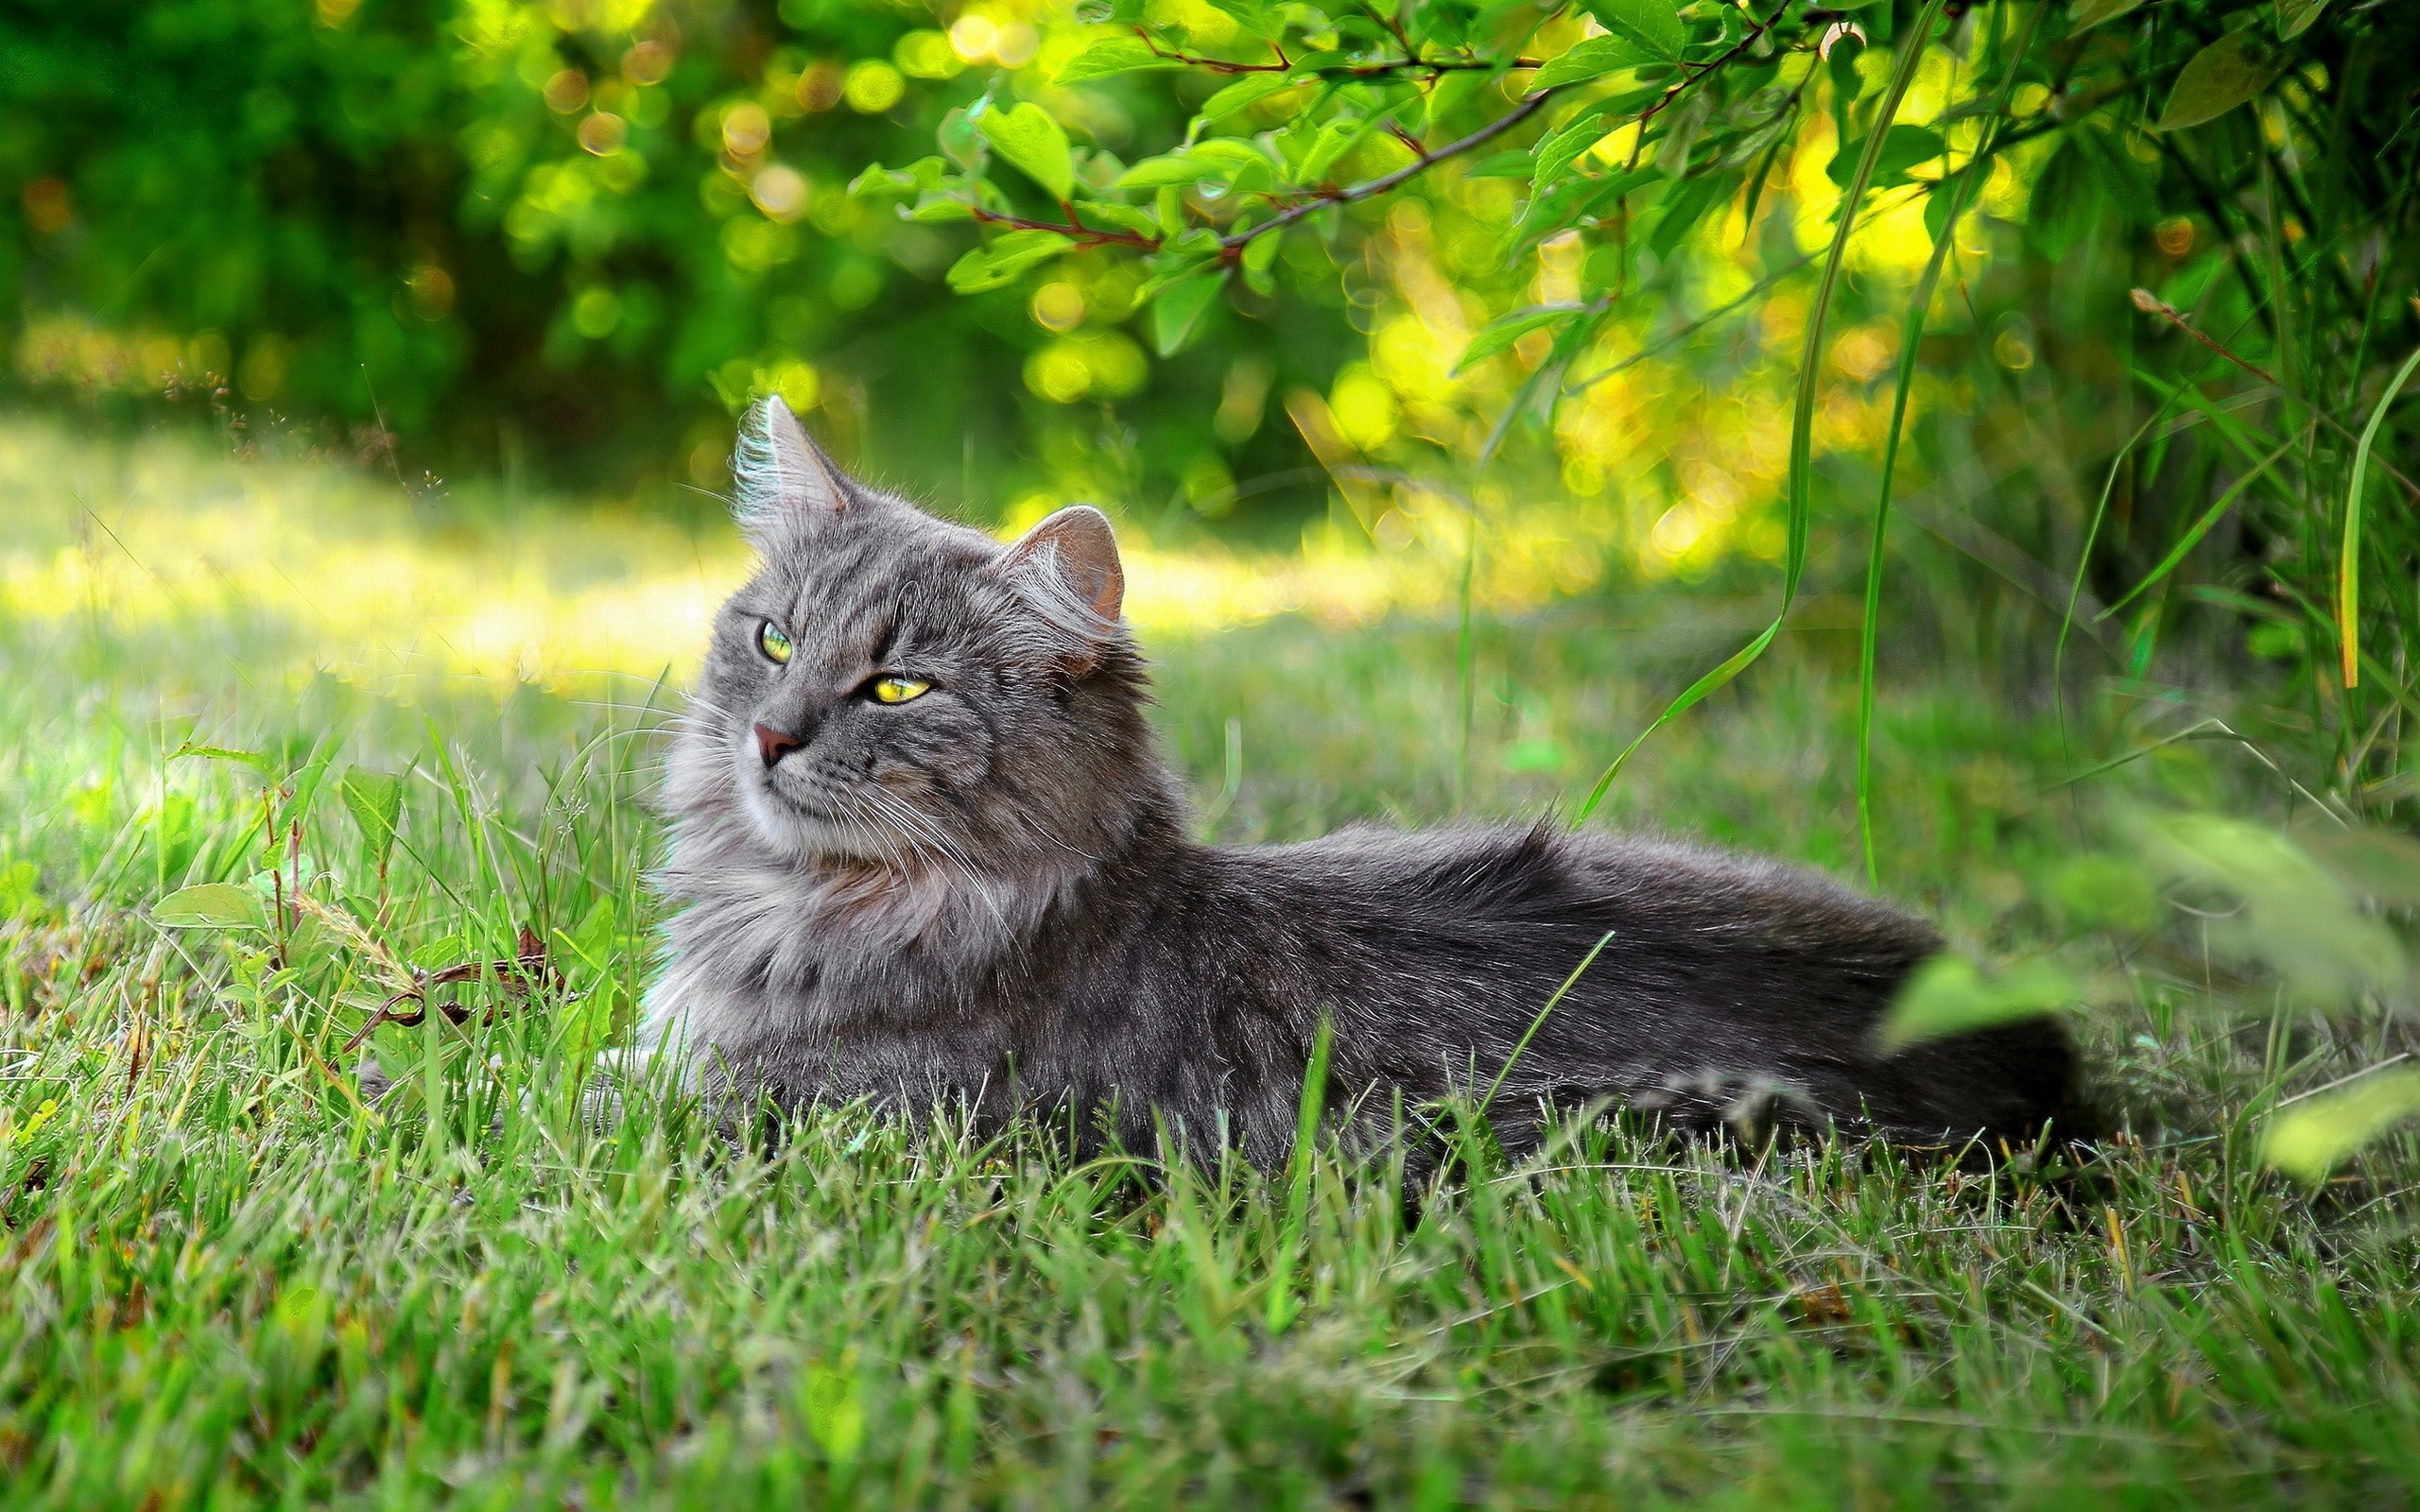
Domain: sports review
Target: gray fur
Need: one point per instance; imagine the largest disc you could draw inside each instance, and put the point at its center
(990, 893)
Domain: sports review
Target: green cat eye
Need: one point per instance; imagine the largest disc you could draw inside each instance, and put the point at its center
(899, 690)
(773, 643)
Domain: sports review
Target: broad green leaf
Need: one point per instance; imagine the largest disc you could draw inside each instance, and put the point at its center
(2220, 77)
(1242, 94)
(1518, 164)
(1503, 331)
(1006, 260)
(1904, 148)
(2296, 16)
(2312, 1138)
(2277, 906)
(257, 760)
(1117, 54)
(1946, 995)
(1176, 314)
(1329, 145)
(1596, 56)
(1260, 257)
(1220, 158)
(938, 207)
(1654, 25)
(375, 801)
(2091, 14)
(961, 139)
(1556, 154)
(1684, 205)
(1256, 17)
(2379, 865)
(1125, 217)
(917, 178)
(835, 1414)
(211, 905)
(1031, 138)
(1171, 170)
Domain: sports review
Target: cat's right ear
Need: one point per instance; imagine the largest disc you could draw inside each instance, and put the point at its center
(779, 478)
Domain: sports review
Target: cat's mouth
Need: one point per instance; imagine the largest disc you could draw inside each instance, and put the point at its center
(815, 820)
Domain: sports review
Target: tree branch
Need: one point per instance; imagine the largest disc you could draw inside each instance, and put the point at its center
(1230, 246)
(1087, 236)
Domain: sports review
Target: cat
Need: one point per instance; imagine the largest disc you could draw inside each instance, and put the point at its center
(924, 851)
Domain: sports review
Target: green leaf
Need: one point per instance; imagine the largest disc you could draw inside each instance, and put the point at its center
(1031, 138)
(1177, 313)
(1558, 152)
(1684, 205)
(257, 760)
(836, 1414)
(211, 905)
(1242, 94)
(1654, 25)
(2275, 905)
(1006, 260)
(2220, 77)
(1904, 148)
(2379, 865)
(1260, 257)
(1220, 158)
(1171, 170)
(917, 178)
(2296, 16)
(1518, 164)
(1125, 217)
(1329, 145)
(1596, 56)
(2091, 14)
(938, 207)
(1117, 54)
(375, 801)
(1505, 330)
(1946, 995)
(2310, 1139)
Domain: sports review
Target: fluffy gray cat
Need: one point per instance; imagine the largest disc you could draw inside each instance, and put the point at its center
(922, 851)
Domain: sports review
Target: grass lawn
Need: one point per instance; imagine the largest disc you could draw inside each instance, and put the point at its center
(231, 1281)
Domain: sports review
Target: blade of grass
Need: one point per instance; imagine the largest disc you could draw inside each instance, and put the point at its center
(2192, 537)
(1919, 304)
(2348, 566)
(1802, 425)
(1536, 1024)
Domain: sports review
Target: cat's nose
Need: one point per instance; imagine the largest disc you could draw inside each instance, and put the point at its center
(772, 744)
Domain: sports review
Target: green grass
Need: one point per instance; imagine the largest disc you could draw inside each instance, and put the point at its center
(230, 1282)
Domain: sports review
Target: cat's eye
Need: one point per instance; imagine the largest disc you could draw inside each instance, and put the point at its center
(771, 640)
(898, 690)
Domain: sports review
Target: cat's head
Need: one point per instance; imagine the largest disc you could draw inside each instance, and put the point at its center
(897, 690)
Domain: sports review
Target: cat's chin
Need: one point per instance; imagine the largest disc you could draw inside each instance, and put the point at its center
(803, 837)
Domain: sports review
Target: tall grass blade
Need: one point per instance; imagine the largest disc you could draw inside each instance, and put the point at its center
(2348, 566)
(1919, 305)
(1802, 425)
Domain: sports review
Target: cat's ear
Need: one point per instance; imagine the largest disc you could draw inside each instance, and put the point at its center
(1067, 567)
(779, 475)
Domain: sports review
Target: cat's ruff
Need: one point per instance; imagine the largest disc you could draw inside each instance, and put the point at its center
(979, 885)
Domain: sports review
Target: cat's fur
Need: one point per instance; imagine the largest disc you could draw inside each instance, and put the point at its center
(989, 894)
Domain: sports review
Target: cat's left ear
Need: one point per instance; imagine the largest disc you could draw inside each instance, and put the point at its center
(780, 475)
(1067, 567)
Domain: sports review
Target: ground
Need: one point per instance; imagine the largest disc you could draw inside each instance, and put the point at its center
(231, 1280)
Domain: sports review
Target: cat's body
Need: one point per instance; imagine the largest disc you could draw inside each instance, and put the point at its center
(986, 892)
